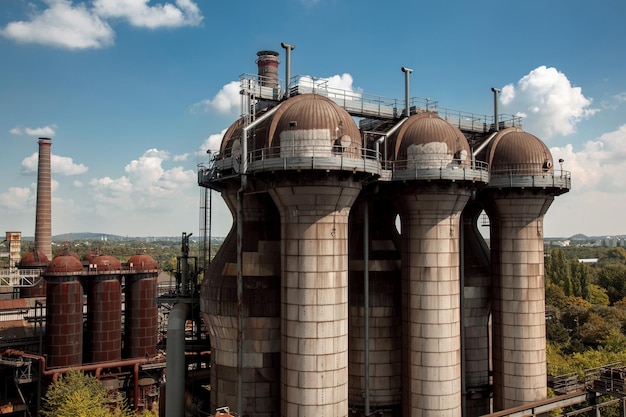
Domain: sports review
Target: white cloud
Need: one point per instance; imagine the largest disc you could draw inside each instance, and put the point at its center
(16, 198)
(180, 158)
(599, 166)
(336, 86)
(212, 143)
(62, 25)
(140, 14)
(147, 184)
(44, 131)
(548, 102)
(226, 101)
(60, 165)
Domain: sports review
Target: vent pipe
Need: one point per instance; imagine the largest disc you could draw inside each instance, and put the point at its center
(407, 75)
(43, 216)
(496, 122)
(288, 49)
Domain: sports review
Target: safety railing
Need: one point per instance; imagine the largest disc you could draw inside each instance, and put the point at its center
(530, 175)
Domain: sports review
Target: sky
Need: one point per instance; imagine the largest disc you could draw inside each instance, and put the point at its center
(133, 93)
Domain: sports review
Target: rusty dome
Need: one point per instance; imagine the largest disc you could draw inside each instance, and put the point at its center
(427, 137)
(231, 141)
(33, 257)
(65, 261)
(514, 151)
(106, 263)
(316, 120)
(142, 262)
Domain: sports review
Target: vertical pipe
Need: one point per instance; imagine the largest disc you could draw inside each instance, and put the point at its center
(407, 91)
(288, 49)
(496, 122)
(366, 304)
(240, 194)
(175, 362)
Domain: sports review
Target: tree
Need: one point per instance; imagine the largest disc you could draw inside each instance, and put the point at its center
(75, 395)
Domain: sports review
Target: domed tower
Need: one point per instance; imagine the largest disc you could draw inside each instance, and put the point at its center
(260, 296)
(140, 317)
(433, 177)
(522, 187)
(319, 147)
(104, 309)
(34, 259)
(64, 311)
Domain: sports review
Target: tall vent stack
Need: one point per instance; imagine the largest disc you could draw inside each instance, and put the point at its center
(43, 217)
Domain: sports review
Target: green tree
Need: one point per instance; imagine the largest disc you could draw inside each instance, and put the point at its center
(557, 270)
(75, 394)
(612, 277)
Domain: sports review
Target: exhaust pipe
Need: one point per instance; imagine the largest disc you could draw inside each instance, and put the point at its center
(407, 73)
(288, 49)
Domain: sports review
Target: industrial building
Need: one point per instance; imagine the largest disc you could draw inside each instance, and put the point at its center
(355, 279)
(96, 314)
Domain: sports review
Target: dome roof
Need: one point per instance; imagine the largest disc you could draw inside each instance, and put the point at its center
(232, 137)
(33, 257)
(314, 120)
(65, 261)
(514, 149)
(427, 136)
(106, 263)
(142, 262)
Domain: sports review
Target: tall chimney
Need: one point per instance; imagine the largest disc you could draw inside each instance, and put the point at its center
(43, 217)
(267, 63)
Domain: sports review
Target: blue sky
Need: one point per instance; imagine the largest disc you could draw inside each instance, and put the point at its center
(133, 92)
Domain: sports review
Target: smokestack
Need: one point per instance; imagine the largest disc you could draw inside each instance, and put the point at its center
(43, 217)
(267, 63)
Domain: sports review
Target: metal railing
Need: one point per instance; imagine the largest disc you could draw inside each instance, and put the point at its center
(14, 277)
(530, 175)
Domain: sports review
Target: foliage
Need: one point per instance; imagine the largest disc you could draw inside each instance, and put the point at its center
(77, 394)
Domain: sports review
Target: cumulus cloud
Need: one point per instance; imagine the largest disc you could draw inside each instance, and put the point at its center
(16, 198)
(212, 143)
(336, 86)
(139, 13)
(146, 183)
(599, 165)
(44, 131)
(60, 165)
(548, 102)
(62, 25)
(226, 101)
(76, 26)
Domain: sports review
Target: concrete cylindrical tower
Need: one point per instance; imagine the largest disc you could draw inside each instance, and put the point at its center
(380, 238)
(104, 310)
(260, 310)
(426, 146)
(314, 247)
(267, 63)
(140, 317)
(64, 311)
(431, 300)
(521, 188)
(314, 208)
(43, 219)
